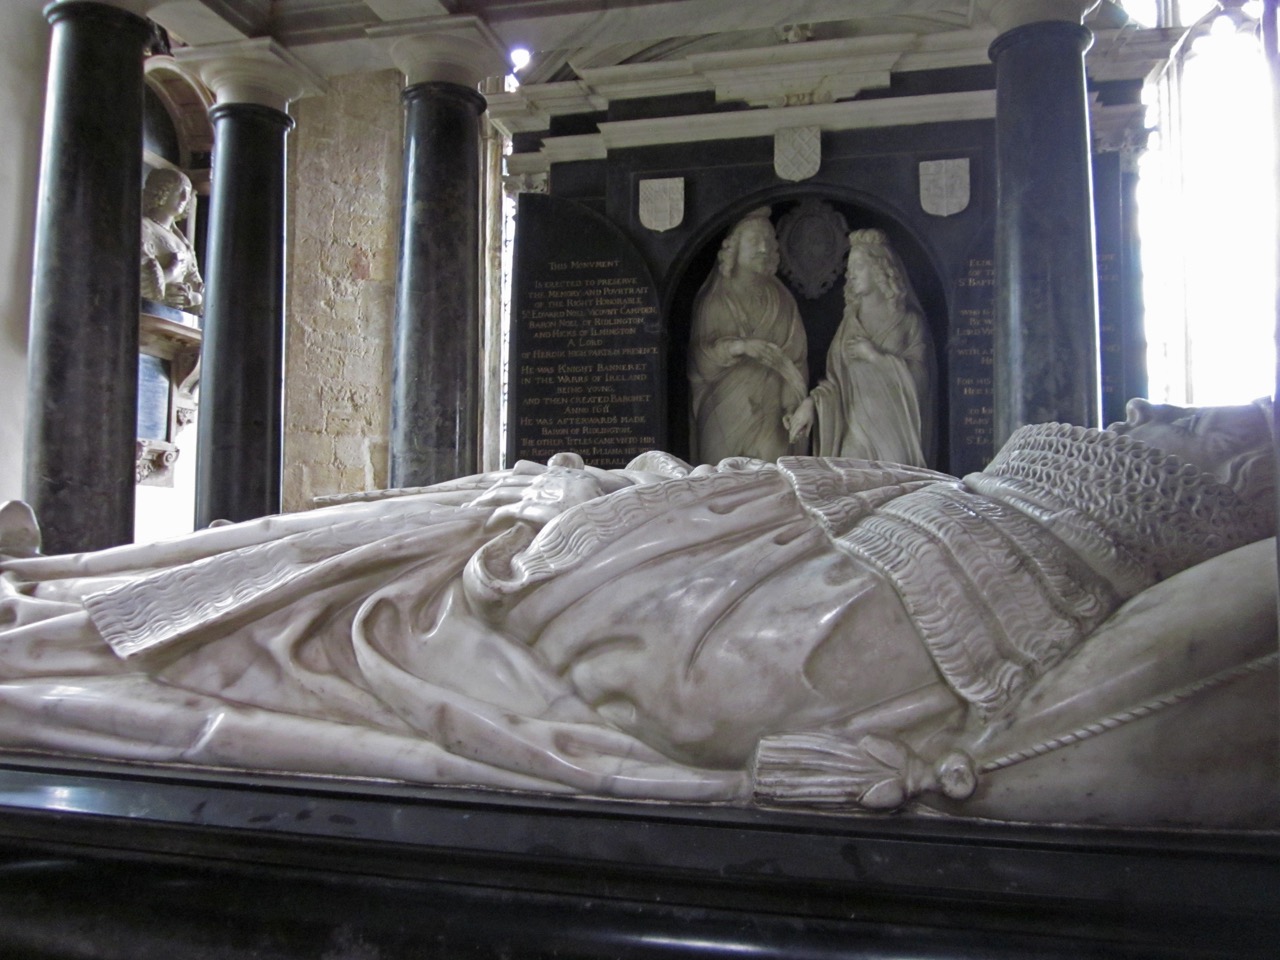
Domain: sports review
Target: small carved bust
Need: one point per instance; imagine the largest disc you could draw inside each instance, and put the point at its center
(169, 272)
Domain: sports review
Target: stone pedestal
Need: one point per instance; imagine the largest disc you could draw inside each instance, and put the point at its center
(1046, 330)
(83, 353)
(435, 404)
(240, 438)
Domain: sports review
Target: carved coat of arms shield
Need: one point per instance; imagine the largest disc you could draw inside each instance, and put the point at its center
(662, 203)
(944, 186)
(797, 152)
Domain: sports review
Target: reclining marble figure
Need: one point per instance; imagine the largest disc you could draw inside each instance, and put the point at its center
(824, 632)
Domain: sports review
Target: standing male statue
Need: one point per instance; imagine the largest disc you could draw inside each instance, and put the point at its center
(748, 365)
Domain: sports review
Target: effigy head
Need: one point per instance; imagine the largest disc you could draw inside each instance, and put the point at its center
(751, 245)
(166, 193)
(873, 261)
(1233, 444)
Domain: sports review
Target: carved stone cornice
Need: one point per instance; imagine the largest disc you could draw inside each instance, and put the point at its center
(257, 71)
(1006, 15)
(847, 115)
(1119, 129)
(796, 75)
(450, 49)
(139, 8)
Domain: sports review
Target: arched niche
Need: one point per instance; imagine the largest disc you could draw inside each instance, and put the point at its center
(821, 314)
(177, 135)
(185, 102)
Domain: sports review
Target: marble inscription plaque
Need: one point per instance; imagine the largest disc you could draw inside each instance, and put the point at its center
(586, 342)
(972, 353)
(153, 398)
(1111, 335)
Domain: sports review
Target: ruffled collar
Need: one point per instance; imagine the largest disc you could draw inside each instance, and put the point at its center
(1136, 514)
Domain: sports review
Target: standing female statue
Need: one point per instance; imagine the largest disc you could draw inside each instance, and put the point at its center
(169, 271)
(747, 356)
(874, 402)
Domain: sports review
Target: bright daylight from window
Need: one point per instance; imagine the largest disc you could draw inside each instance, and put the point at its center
(1207, 212)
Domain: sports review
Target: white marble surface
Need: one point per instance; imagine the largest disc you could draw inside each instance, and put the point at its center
(873, 402)
(832, 633)
(169, 272)
(748, 354)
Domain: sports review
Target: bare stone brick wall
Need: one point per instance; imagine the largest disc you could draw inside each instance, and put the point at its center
(344, 187)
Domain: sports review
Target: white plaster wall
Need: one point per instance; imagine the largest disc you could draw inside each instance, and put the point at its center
(23, 55)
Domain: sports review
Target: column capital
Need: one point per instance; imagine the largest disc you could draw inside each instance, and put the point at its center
(453, 49)
(1006, 15)
(139, 8)
(125, 11)
(257, 71)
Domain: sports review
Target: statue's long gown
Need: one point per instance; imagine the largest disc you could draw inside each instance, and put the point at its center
(738, 402)
(876, 407)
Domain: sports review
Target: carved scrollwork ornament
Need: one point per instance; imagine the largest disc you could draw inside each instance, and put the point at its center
(874, 772)
(154, 460)
(514, 184)
(813, 241)
(183, 416)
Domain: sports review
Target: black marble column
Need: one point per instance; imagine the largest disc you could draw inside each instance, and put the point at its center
(1135, 332)
(82, 366)
(242, 366)
(435, 390)
(1046, 362)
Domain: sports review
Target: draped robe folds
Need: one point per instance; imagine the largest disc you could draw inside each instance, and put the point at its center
(738, 402)
(638, 644)
(874, 407)
(169, 272)
(348, 641)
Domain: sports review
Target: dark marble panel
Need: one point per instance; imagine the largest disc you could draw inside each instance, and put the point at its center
(153, 398)
(102, 860)
(972, 356)
(870, 176)
(586, 340)
(158, 132)
(1121, 337)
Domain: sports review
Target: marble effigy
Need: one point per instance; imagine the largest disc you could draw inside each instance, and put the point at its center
(1084, 631)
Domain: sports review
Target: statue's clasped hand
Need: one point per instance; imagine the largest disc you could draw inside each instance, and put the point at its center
(800, 421)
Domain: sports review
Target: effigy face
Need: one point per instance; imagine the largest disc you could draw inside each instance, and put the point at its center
(1084, 631)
